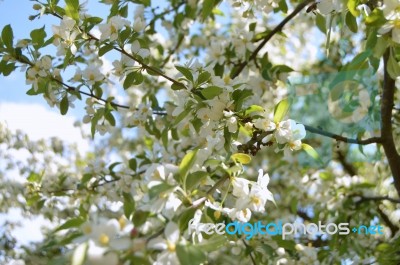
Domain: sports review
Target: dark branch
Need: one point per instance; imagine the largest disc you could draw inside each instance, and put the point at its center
(377, 198)
(172, 51)
(393, 228)
(342, 138)
(387, 103)
(237, 70)
(348, 167)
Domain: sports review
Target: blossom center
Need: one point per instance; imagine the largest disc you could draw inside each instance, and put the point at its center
(397, 23)
(171, 246)
(104, 239)
(255, 200)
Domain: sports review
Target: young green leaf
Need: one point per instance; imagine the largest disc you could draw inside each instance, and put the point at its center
(186, 164)
(241, 158)
(79, 256)
(310, 151)
(281, 109)
(72, 9)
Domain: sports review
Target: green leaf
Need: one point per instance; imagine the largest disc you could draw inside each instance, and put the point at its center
(133, 79)
(7, 36)
(321, 23)
(371, 39)
(79, 256)
(265, 74)
(203, 77)
(132, 164)
(190, 254)
(213, 243)
(176, 86)
(6, 69)
(253, 108)
(283, 6)
(64, 105)
(219, 70)
(211, 92)
(241, 158)
(140, 218)
(380, 47)
(393, 67)
(252, 26)
(181, 116)
(281, 109)
(38, 36)
(129, 205)
(186, 164)
(326, 176)
(351, 22)
(110, 118)
(281, 68)
(208, 6)
(352, 6)
(106, 48)
(185, 72)
(72, 9)
(158, 189)
(239, 96)
(195, 178)
(34, 177)
(310, 151)
(375, 18)
(359, 60)
(75, 222)
(185, 217)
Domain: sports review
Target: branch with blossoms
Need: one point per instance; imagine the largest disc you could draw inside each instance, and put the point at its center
(150, 69)
(238, 69)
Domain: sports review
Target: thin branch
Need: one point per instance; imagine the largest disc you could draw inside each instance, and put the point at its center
(121, 50)
(236, 71)
(210, 192)
(250, 249)
(73, 90)
(342, 138)
(166, 12)
(387, 103)
(388, 222)
(348, 167)
(172, 51)
(377, 198)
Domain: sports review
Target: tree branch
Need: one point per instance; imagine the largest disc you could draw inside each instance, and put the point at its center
(173, 50)
(73, 90)
(377, 198)
(237, 70)
(121, 50)
(342, 138)
(387, 103)
(393, 228)
(348, 167)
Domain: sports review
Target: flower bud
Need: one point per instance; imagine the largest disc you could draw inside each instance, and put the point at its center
(37, 6)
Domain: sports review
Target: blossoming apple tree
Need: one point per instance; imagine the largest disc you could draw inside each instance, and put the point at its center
(199, 122)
